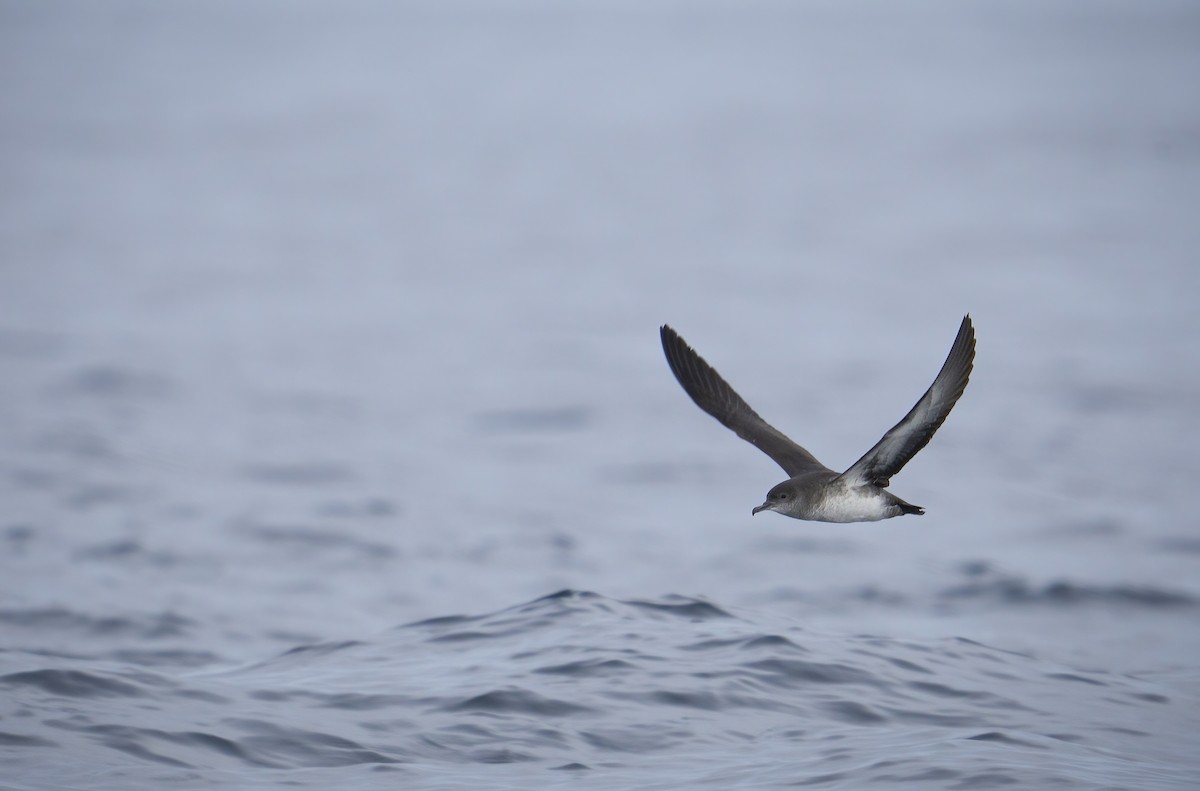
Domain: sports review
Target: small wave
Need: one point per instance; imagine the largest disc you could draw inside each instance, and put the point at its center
(588, 667)
(683, 607)
(985, 584)
(1004, 738)
(72, 684)
(20, 740)
(147, 627)
(518, 701)
(304, 538)
(267, 741)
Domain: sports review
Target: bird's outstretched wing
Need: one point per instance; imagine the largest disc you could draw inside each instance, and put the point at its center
(714, 395)
(912, 433)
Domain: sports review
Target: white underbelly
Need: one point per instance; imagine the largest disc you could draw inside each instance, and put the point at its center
(853, 505)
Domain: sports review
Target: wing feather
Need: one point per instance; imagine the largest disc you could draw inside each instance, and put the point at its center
(714, 395)
(912, 433)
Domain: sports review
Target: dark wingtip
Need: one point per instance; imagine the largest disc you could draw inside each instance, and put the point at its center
(670, 340)
(962, 354)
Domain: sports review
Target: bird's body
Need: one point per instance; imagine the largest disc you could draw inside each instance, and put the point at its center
(814, 492)
(822, 497)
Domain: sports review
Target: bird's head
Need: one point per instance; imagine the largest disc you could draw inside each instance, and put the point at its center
(782, 498)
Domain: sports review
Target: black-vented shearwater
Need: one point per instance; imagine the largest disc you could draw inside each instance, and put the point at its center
(814, 491)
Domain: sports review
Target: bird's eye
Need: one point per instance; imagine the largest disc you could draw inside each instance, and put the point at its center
(780, 496)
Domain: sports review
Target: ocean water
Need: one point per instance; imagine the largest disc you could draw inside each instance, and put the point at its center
(576, 687)
(337, 449)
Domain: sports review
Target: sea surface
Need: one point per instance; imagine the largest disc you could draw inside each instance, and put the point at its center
(337, 449)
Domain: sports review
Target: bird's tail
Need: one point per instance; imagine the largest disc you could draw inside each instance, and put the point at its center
(909, 508)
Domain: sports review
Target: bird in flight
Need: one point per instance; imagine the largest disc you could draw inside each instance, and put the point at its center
(813, 491)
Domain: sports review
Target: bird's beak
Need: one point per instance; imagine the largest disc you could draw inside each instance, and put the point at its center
(756, 509)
